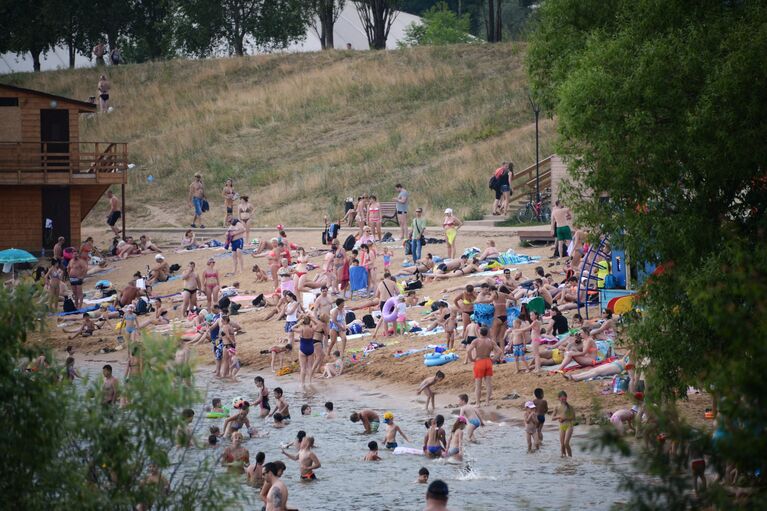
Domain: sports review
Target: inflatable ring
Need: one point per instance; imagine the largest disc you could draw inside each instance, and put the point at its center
(389, 312)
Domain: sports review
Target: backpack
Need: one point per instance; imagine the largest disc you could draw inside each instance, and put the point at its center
(350, 316)
(349, 243)
(174, 267)
(610, 281)
(69, 305)
(369, 321)
(413, 284)
(493, 183)
(224, 302)
(142, 307)
(259, 301)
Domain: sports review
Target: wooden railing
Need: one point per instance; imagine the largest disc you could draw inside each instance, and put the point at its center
(63, 162)
(524, 180)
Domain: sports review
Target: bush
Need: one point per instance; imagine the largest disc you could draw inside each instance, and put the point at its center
(440, 26)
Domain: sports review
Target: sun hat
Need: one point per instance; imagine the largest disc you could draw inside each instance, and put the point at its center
(159, 257)
(448, 211)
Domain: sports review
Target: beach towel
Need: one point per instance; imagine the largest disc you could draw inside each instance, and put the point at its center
(79, 311)
(358, 278)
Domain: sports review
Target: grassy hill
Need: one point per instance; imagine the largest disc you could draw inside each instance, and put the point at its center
(301, 132)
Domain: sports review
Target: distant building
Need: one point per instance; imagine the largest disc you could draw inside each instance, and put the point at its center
(348, 30)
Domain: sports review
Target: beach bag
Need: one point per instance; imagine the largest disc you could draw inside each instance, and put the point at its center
(610, 281)
(413, 285)
(369, 321)
(142, 307)
(205, 206)
(259, 301)
(174, 267)
(354, 329)
(350, 316)
(69, 305)
(349, 243)
(493, 183)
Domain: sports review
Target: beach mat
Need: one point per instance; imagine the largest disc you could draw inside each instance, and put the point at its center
(78, 311)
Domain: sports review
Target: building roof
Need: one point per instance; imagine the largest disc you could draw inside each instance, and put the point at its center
(82, 106)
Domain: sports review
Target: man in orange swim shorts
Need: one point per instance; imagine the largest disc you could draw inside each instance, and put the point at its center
(482, 351)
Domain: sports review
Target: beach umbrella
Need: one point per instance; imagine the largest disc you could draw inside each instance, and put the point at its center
(14, 255)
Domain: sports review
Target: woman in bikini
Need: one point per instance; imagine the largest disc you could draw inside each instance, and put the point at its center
(230, 345)
(450, 225)
(212, 283)
(464, 302)
(245, 211)
(235, 457)
(617, 366)
(306, 354)
(423, 266)
(228, 195)
(263, 397)
(374, 217)
(607, 329)
(53, 285)
(362, 213)
(583, 351)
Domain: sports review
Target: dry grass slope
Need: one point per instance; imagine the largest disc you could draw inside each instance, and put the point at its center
(307, 130)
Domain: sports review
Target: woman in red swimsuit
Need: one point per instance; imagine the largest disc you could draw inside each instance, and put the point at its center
(374, 217)
(211, 284)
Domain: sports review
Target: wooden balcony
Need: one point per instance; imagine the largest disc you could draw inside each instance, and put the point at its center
(63, 163)
(523, 183)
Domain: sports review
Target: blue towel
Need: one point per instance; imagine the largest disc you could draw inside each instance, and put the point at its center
(90, 308)
(358, 278)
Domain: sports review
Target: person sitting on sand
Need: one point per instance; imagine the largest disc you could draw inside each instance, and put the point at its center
(583, 350)
(160, 271)
(86, 329)
(490, 253)
(334, 368)
(370, 420)
(188, 242)
(607, 329)
(146, 245)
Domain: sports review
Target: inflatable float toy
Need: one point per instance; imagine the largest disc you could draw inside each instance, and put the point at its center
(484, 313)
(389, 312)
(218, 415)
(621, 304)
(407, 450)
(439, 359)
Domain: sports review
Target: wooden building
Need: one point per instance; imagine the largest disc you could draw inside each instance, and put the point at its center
(49, 178)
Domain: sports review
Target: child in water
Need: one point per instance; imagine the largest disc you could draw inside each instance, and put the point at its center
(541, 409)
(423, 476)
(372, 454)
(531, 426)
(390, 440)
(426, 387)
(565, 414)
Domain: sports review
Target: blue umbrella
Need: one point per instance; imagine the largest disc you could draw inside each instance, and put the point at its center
(14, 255)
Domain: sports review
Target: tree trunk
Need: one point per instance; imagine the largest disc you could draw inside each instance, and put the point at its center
(326, 21)
(491, 21)
(72, 51)
(329, 39)
(498, 22)
(239, 45)
(36, 59)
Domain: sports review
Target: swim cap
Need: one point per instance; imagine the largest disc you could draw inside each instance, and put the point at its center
(388, 415)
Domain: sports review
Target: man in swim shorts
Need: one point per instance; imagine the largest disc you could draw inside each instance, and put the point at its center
(370, 420)
(196, 197)
(562, 217)
(482, 351)
(114, 212)
(77, 269)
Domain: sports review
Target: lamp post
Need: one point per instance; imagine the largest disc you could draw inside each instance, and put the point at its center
(536, 111)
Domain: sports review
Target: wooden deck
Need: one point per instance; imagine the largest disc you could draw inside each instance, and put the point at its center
(63, 163)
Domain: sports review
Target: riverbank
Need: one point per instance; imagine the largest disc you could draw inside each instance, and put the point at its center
(590, 398)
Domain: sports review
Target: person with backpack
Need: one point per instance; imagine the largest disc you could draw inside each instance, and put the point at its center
(500, 183)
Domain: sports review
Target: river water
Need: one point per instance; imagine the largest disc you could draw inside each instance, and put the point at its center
(497, 473)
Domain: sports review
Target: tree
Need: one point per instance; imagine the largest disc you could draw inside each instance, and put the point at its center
(377, 17)
(28, 27)
(326, 13)
(204, 24)
(440, 26)
(65, 447)
(74, 16)
(150, 30)
(662, 107)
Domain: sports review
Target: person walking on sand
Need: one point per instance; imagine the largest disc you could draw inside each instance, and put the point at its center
(235, 235)
(402, 198)
(245, 211)
(450, 225)
(103, 90)
(196, 198)
(565, 414)
(114, 212)
(418, 230)
(482, 350)
(562, 217)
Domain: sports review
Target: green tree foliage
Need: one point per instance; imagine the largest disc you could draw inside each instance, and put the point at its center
(63, 448)
(440, 26)
(27, 26)
(663, 106)
(203, 25)
(150, 30)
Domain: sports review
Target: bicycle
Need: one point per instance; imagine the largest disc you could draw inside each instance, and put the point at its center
(539, 210)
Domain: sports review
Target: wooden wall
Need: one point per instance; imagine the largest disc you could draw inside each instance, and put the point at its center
(22, 217)
(30, 117)
(74, 215)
